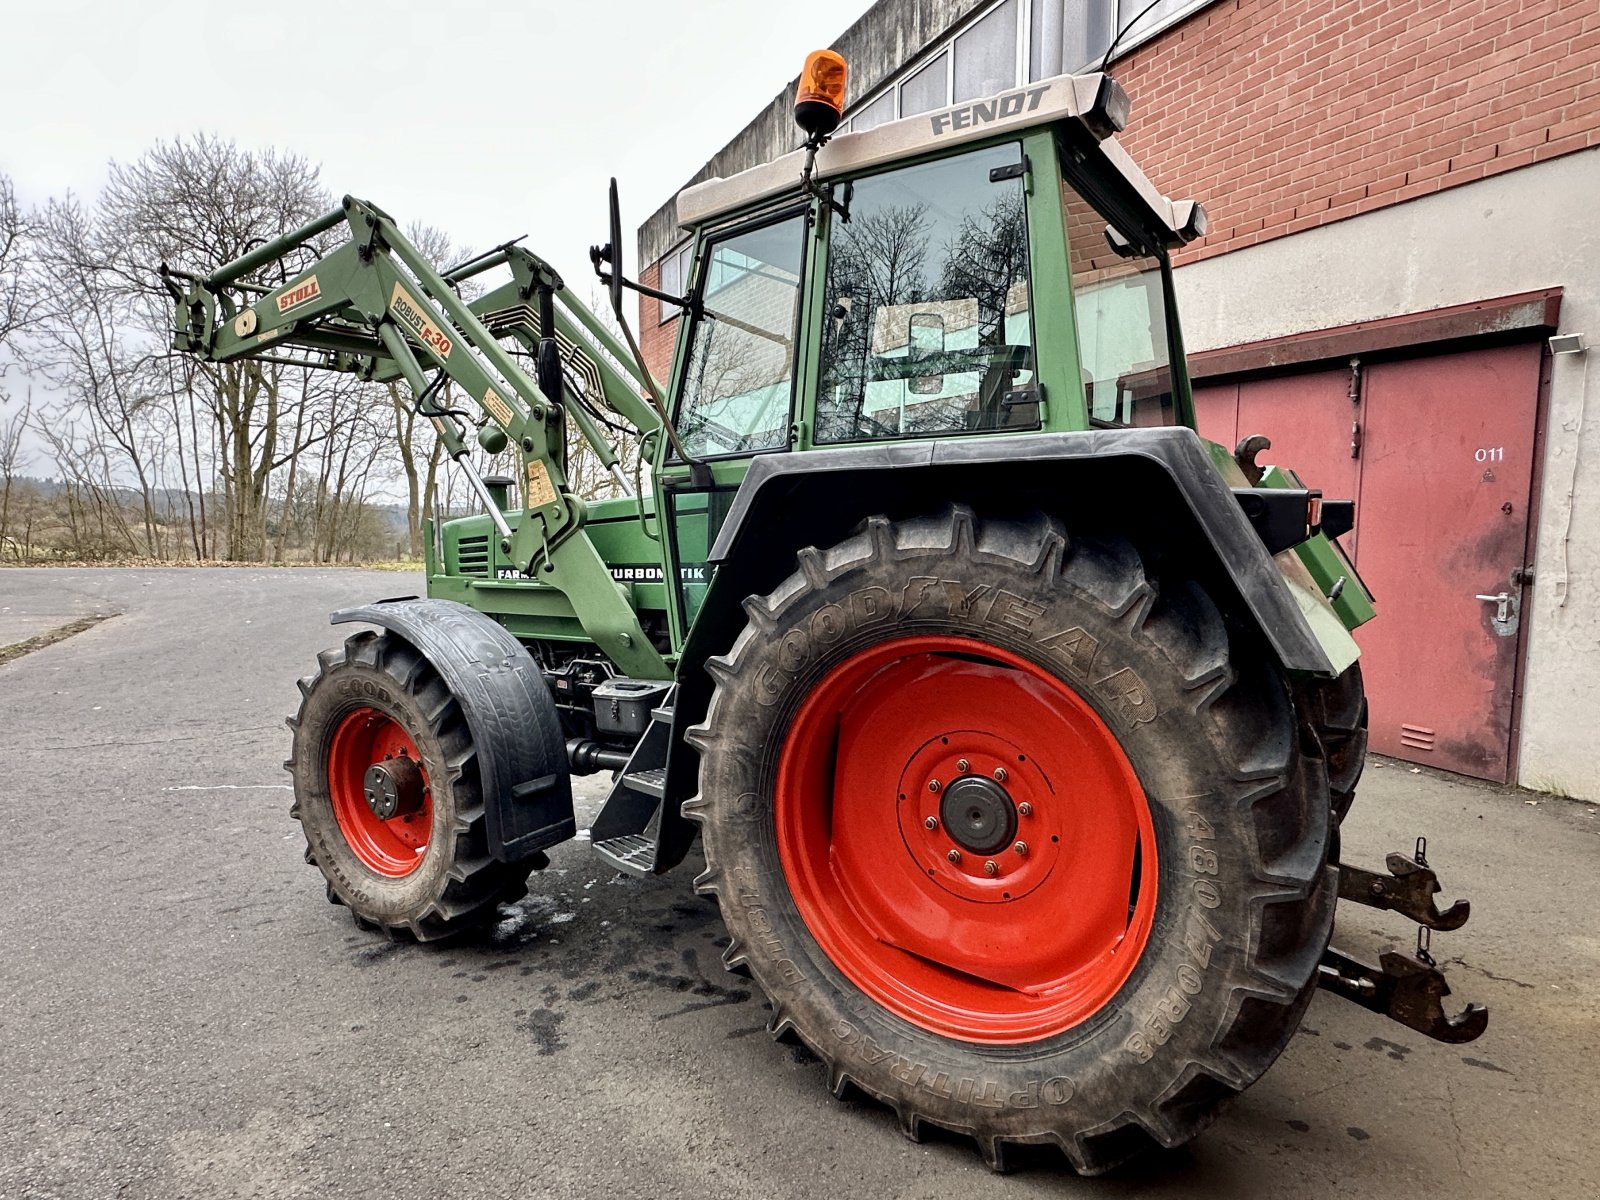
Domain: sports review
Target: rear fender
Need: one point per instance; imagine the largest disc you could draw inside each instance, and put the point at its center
(516, 732)
(1158, 485)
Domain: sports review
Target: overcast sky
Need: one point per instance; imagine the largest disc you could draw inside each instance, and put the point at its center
(485, 119)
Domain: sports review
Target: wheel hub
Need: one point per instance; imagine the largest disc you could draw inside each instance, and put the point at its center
(379, 789)
(393, 787)
(979, 815)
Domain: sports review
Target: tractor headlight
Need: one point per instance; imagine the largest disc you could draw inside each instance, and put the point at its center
(1110, 111)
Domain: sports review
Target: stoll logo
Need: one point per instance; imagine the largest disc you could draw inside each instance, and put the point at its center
(299, 294)
(984, 112)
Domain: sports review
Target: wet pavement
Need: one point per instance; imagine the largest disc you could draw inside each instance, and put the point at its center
(183, 1014)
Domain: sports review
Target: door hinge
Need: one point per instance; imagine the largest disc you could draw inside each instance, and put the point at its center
(1355, 394)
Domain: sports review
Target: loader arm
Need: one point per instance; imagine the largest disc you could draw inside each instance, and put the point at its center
(376, 307)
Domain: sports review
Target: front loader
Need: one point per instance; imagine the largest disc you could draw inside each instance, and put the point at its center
(1016, 721)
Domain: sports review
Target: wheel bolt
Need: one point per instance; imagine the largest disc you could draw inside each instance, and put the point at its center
(1021, 848)
(991, 867)
(934, 785)
(954, 856)
(963, 766)
(1000, 774)
(931, 823)
(1025, 809)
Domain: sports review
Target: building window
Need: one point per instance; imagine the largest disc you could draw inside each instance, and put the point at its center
(1065, 38)
(674, 278)
(1162, 13)
(1046, 37)
(879, 112)
(986, 55)
(928, 89)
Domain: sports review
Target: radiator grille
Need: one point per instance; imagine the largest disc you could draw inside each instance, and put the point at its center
(472, 555)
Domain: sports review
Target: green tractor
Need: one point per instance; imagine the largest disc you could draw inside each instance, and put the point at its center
(1015, 720)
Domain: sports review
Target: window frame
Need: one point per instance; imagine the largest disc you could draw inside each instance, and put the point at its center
(1111, 208)
(1120, 11)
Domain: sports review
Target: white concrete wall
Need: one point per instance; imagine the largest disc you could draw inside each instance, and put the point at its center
(1533, 228)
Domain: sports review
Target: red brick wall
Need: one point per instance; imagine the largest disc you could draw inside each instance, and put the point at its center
(1280, 115)
(655, 340)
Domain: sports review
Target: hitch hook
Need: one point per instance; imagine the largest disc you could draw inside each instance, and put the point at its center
(1404, 988)
(1409, 889)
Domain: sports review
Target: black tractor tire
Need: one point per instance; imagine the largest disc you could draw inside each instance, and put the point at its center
(1244, 898)
(1336, 712)
(456, 886)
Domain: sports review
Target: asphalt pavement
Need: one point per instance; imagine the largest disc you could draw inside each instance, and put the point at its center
(182, 1014)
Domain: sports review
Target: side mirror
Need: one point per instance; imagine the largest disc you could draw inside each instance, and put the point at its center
(616, 249)
(607, 259)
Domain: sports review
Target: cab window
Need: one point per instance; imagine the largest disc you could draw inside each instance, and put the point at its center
(1120, 304)
(927, 316)
(739, 379)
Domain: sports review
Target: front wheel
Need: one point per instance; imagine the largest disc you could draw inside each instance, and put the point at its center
(1017, 841)
(388, 797)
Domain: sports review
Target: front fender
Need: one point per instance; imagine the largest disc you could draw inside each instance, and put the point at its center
(516, 732)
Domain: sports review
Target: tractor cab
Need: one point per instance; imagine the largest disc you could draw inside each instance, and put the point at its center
(991, 269)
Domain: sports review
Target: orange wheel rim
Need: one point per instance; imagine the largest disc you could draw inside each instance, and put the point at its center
(380, 792)
(966, 840)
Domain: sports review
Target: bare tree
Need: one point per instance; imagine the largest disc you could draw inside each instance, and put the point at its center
(163, 454)
(86, 342)
(987, 258)
(207, 201)
(16, 237)
(13, 461)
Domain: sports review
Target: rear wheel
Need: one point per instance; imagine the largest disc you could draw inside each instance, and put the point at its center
(1016, 842)
(387, 794)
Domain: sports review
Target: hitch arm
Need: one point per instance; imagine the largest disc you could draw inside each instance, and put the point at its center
(1405, 988)
(1408, 889)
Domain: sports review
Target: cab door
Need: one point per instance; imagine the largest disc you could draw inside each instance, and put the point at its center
(736, 379)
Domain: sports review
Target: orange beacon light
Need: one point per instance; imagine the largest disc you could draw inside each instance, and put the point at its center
(819, 100)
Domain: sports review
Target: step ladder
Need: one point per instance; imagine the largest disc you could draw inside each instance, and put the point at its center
(627, 833)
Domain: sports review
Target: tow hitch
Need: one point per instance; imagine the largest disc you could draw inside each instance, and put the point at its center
(1408, 988)
(1408, 889)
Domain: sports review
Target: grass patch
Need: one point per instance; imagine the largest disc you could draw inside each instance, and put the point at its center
(50, 637)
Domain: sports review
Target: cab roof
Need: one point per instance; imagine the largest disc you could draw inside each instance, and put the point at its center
(1091, 99)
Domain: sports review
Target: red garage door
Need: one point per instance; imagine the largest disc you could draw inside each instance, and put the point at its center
(1442, 482)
